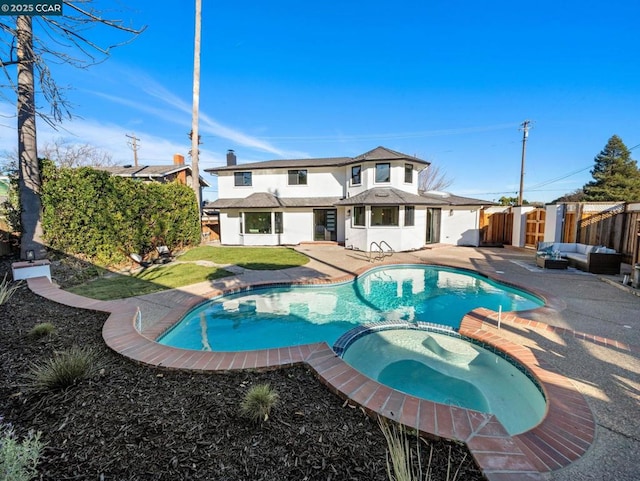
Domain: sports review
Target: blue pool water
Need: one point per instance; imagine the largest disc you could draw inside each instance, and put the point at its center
(288, 316)
(449, 370)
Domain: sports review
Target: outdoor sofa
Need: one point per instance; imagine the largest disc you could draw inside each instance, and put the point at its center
(588, 258)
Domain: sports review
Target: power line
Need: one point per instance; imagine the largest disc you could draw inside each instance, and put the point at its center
(556, 179)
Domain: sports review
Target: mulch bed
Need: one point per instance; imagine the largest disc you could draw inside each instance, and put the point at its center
(134, 422)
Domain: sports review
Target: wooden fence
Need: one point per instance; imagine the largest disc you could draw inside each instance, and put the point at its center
(496, 228)
(618, 229)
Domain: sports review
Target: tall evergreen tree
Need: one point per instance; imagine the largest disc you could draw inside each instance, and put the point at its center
(616, 175)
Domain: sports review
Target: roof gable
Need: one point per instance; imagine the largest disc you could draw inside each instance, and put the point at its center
(383, 153)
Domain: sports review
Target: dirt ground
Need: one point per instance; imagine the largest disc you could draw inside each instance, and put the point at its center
(135, 422)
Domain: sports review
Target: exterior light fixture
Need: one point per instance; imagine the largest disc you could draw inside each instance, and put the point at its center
(31, 255)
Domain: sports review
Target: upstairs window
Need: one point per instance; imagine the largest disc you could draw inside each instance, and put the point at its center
(356, 172)
(383, 173)
(297, 177)
(408, 173)
(242, 179)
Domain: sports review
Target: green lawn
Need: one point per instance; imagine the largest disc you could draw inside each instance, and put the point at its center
(256, 258)
(178, 274)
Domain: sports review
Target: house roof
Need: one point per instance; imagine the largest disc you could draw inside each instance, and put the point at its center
(391, 196)
(375, 196)
(383, 153)
(264, 200)
(377, 154)
(384, 196)
(446, 198)
(149, 171)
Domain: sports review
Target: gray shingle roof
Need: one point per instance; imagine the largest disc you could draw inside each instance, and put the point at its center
(382, 153)
(445, 198)
(384, 196)
(377, 154)
(263, 200)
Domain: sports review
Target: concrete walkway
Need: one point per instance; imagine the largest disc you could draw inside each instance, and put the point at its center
(588, 333)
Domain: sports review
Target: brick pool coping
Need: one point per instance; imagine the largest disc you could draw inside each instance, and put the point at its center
(565, 434)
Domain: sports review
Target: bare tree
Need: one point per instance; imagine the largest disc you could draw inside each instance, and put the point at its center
(432, 178)
(58, 39)
(67, 154)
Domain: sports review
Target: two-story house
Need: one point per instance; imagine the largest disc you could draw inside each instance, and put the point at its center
(354, 201)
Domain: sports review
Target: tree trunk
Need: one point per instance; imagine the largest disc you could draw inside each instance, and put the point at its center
(29, 169)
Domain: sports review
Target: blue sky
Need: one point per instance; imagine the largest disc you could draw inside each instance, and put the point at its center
(447, 81)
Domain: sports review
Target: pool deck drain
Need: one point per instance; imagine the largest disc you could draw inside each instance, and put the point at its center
(564, 436)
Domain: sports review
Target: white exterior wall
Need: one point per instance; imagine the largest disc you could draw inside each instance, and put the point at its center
(297, 226)
(554, 220)
(319, 184)
(400, 238)
(460, 226)
(368, 177)
(229, 227)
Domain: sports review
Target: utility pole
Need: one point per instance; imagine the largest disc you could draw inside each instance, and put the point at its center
(525, 134)
(133, 143)
(195, 137)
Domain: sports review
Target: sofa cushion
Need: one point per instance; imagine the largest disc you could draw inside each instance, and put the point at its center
(566, 247)
(577, 258)
(584, 248)
(604, 250)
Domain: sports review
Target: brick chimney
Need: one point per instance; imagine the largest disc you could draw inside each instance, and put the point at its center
(231, 157)
(178, 159)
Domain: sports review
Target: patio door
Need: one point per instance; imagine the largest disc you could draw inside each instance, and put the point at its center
(433, 225)
(325, 222)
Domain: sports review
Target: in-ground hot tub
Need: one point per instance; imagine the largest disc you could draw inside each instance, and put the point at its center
(442, 366)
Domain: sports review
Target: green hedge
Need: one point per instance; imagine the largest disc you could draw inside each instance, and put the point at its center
(104, 217)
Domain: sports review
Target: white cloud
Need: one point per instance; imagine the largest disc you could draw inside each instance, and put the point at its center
(207, 125)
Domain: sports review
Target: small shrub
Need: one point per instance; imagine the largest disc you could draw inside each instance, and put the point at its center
(258, 402)
(41, 330)
(399, 453)
(65, 369)
(18, 460)
(7, 290)
(405, 464)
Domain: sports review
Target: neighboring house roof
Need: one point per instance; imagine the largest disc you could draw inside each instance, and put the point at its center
(264, 200)
(379, 153)
(152, 172)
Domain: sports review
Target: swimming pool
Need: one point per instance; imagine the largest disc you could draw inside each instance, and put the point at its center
(444, 368)
(295, 315)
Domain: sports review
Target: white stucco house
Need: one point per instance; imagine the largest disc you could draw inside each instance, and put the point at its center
(354, 201)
